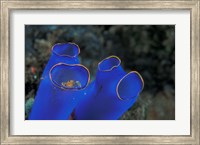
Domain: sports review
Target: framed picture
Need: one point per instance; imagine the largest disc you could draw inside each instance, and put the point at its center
(100, 72)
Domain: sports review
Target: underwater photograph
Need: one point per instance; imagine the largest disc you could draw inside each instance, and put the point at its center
(99, 72)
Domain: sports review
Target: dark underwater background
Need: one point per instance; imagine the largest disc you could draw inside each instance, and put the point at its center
(148, 49)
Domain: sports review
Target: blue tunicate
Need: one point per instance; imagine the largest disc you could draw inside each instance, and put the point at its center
(111, 94)
(62, 53)
(58, 94)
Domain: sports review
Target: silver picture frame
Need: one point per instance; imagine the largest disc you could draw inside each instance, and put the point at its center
(192, 5)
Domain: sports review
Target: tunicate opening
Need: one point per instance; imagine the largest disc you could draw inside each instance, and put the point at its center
(66, 49)
(109, 63)
(67, 76)
(130, 86)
